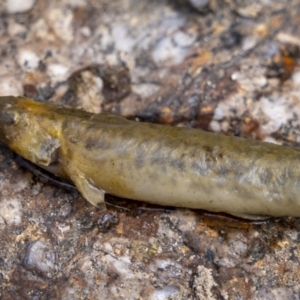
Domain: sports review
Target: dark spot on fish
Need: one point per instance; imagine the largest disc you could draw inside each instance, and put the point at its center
(238, 169)
(297, 182)
(222, 170)
(208, 149)
(178, 164)
(159, 154)
(139, 162)
(289, 173)
(266, 176)
(97, 143)
(90, 143)
(158, 160)
(202, 166)
(140, 155)
(283, 176)
(74, 140)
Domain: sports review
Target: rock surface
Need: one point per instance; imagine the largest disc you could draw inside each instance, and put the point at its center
(217, 65)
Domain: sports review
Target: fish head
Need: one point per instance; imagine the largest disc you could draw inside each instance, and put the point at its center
(27, 128)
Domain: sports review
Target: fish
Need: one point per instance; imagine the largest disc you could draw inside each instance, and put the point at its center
(160, 164)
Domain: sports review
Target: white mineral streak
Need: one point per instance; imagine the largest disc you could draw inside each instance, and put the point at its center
(165, 293)
(275, 293)
(58, 72)
(10, 85)
(203, 283)
(232, 252)
(168, 53)
(90, 89)
(122, 41)
(185, 39)
(296, 78)
(10, 211)
(61, 22)
(145, 89)
(275, 110)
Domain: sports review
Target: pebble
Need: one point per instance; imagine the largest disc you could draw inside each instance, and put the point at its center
(122, 41)
(183, 39)
(40, 257)
(57, 72)
(296, 78)
(19, 6)
(199, 4)
(167, 53)
(28, 59)
(145, 89)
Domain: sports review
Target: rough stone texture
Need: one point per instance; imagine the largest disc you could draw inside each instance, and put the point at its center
(225, 66)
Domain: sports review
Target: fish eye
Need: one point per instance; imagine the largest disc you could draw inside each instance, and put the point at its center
(8, 116)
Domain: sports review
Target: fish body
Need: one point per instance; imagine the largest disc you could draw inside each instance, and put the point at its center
(183, 167)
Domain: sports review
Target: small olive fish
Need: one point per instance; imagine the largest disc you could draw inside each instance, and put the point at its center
(104, 153)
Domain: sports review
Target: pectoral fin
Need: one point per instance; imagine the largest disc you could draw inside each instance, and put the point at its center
(91, 193)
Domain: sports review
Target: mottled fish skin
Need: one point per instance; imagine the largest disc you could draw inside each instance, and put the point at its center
(154, 163)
